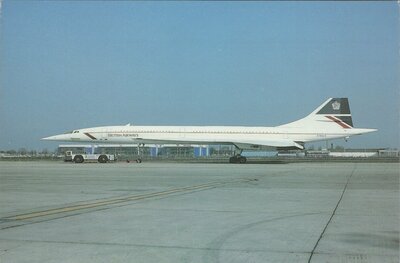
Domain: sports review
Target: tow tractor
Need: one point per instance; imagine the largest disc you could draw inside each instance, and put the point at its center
(80, 158)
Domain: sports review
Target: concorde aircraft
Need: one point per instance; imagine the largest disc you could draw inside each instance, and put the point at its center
(331, 120)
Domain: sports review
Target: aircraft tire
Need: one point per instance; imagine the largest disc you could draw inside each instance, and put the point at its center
(78, 159)
(237, 159)
(102, 159)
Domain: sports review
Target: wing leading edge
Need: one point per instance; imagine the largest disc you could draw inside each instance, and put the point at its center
(240, 143)
(269, 144)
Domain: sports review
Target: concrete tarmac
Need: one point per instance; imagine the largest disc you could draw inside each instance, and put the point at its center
(167, 212)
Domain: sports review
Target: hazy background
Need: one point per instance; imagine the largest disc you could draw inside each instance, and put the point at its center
(67, 65)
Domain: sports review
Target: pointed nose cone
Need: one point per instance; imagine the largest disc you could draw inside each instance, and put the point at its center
(50, 138)
(61, 137)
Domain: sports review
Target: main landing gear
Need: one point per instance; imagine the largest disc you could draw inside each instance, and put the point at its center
(237, 159)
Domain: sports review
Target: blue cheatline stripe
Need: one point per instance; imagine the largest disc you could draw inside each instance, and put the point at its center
(90, 136)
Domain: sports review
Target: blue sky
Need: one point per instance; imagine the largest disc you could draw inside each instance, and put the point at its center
(70, 64)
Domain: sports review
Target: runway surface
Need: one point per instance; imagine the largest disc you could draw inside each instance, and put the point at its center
(166, 212)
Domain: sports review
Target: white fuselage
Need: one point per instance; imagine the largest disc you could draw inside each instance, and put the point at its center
(201, 135)
(331, 120)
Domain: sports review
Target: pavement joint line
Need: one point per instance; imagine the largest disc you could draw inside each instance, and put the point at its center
(113, 201)
(332, 215)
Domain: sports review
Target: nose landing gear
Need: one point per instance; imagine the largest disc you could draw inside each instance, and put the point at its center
(139, 148)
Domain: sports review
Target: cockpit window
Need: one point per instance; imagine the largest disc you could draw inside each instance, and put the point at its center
(76, 131)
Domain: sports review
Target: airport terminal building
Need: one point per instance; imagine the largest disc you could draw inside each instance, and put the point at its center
(132, 150)
(127, 151)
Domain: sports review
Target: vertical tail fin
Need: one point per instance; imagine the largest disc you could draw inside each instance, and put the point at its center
(333, 113)
(337, 110)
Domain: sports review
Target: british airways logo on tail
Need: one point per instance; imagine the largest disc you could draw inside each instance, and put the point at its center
(336, 105)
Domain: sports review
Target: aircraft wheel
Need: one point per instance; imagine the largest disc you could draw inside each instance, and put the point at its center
(78, 159)
(138, 160)
(102, 159)
(237, 159)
